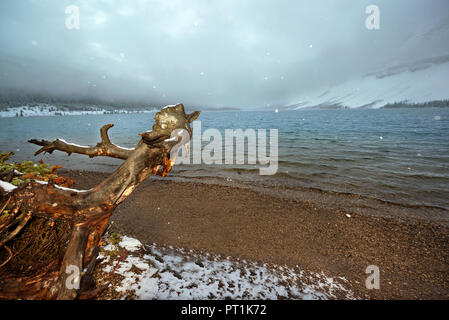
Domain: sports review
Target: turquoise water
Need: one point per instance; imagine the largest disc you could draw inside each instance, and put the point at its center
(397, 155)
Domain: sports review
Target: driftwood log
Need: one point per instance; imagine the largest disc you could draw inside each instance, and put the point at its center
(85, 214)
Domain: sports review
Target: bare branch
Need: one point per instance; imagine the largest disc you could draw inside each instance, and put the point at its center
(104, 148)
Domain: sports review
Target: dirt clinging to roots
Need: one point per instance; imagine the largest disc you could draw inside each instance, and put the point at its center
(40, 243)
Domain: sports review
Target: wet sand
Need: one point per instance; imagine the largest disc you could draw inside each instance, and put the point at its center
(305, 228)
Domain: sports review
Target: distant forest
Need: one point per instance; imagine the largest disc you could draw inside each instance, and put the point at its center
(11, 99)
(430, 104)
(14, 99)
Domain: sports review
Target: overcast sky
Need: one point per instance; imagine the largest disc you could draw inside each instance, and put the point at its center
(209, 53)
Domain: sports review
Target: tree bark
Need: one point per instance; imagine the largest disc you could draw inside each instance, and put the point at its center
(73, 261)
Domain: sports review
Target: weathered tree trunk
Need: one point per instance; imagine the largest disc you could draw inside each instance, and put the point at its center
(87, 212)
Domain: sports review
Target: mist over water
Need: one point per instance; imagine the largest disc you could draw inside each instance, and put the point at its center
(214, 53)
(397, 155)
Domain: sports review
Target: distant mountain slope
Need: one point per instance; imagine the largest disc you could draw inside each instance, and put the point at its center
(417, 82)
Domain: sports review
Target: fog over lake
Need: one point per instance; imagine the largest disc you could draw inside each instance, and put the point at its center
(209, 53)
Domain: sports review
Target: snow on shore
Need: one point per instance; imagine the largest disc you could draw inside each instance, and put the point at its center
(48, 110)
(155, 272)
(7, 187)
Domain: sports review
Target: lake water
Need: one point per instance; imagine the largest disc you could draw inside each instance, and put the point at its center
(397, 155)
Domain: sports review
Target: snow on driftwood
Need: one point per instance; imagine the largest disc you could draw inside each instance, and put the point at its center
(7, 187)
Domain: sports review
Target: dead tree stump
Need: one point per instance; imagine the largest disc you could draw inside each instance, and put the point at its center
(75, 221)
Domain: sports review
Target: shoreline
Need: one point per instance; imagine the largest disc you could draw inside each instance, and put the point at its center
(335, 234)
(332, 199)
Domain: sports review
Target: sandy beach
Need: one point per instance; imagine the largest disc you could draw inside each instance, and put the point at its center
(339, 235)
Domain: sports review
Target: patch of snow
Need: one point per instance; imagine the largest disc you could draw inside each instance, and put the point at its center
(124, 148)
(50, 110)
(7, 186)
(172, 273)
(71, 144)
(130, 244)
(62, 188)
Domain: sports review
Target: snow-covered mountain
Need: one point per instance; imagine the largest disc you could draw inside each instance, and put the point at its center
(417, 71)
(420, 81)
